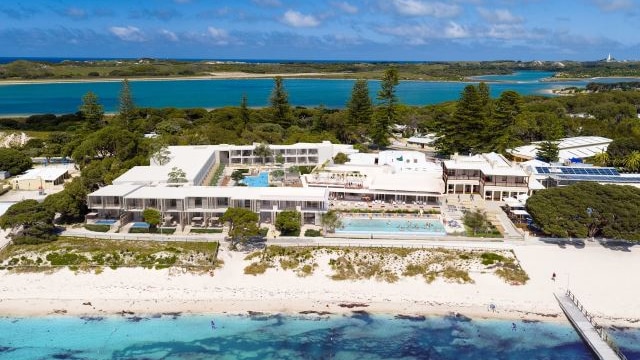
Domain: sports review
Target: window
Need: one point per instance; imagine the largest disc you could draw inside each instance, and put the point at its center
(197, 202)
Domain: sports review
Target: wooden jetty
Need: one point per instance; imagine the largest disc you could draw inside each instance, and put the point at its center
(594, 335)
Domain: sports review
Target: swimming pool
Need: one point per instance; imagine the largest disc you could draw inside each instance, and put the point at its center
(105, 222)
(140, 225)
(391, 226)
(260, 180)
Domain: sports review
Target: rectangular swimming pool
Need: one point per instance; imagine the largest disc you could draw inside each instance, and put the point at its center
(391, 226)
(260, 180)
(143, 225)
(105, 222)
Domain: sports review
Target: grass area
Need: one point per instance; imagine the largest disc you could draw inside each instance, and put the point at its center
(297, 259)
(491, 232)
(390, 264)
(205, 231)
(86, 254)
(97, 227)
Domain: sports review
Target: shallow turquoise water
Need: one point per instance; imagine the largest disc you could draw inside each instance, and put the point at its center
(391, 226)
(65, 97)
(359, 336)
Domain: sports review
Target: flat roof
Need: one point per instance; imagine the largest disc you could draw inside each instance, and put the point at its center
(236, 192)
(47, 173)
(115, 190)
(409, 182)
(489, 164)
(574, 147)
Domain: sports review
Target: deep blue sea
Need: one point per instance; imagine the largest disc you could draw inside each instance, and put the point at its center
(61, 98)
(265, 337)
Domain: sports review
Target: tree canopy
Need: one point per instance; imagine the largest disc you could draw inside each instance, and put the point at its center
(243, 224)
(386, 117)
(14, 161)
(280, 102)
(30, 222)
(587, 210)
(92, 111)
(288, 223)
(152, 216)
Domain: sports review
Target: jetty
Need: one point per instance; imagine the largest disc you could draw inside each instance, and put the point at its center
(594, 335)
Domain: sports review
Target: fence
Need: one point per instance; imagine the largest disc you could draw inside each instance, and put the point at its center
(144, 237)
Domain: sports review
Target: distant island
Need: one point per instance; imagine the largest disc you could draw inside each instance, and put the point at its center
(436, 71)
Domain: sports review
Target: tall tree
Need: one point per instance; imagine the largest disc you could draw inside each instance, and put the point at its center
(506, 111)
(548, 151)
(464, 131)
(280, 103)
(92, 111)
(263, 151)
(359, 107)
(243, 223)
(30, 222)
(126, 107)
(177, 176)
(381, 129)
(245, 113)
(152, 216)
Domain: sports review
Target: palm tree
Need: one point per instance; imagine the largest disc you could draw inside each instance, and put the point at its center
(601, 159)
(263, 151)
(632, 161)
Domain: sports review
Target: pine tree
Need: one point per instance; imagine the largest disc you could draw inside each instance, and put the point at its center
(548, 151)
(507, 108)
(359, 108)
(245, 114)
(126, 108)
(469, 122)
(380, 131)
(92, 111)
(280, 103)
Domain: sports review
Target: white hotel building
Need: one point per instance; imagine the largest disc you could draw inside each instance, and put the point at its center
(147, 186)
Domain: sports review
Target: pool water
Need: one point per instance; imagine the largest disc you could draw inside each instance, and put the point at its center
(140, 225)
(106, 222)
(391, 226)
(260, 180)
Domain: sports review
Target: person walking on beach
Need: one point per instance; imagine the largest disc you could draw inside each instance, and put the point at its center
(553, 277)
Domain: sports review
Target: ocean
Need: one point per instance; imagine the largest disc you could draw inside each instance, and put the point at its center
(265, 337)
(61, 98)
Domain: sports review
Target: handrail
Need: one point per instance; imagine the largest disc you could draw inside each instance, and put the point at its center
(601, 331)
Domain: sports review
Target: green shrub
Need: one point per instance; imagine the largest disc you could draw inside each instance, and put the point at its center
(312, 233)
(205, 231)
(256, 268)
(489, 258)
(138, 230)
(66, 259)
(97, 227)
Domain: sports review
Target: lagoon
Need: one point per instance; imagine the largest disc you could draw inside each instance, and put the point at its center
(65, 97)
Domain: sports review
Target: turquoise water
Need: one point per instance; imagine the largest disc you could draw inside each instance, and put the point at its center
(105, 222)
(357, 336)
(260, 180)
(391, 226)
(65, 97)
(140, 225)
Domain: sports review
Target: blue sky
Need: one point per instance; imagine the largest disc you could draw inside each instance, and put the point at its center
(322, 30)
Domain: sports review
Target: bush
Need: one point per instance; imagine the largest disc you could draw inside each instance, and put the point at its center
(138, 230)
(256, 268)
(288, 223)
(97, 227)
(312, 233)
(205, 231)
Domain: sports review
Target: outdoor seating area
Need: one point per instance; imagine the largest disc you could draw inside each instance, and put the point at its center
(381, 205)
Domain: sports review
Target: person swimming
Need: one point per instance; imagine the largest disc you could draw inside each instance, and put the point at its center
(213, 325)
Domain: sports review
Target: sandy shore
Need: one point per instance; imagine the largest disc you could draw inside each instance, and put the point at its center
(595, 274)
(211, 76)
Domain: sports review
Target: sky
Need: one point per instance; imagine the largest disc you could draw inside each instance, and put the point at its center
(391, 30)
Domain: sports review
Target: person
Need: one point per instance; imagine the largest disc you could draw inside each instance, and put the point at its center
(513, 327)
(553, 277)
(213, 325)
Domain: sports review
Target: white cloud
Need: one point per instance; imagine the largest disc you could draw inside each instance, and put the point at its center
(422, 8)
(169, 35)
(297, 19)
(613, 5)
(455, 31)
(346, 7)
(219, 36)
(128, 33)
(499, 16)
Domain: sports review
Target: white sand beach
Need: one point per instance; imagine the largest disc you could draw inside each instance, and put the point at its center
(212, 75)
(604, 280)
